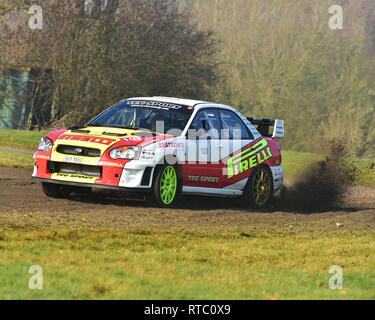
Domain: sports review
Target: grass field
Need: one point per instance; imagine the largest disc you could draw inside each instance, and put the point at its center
(295, 163)
(16, 160)
(173, 265)
(21, 139)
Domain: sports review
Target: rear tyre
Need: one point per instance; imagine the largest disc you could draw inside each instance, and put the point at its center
(259, 190)
(52, 190)
(167, 186)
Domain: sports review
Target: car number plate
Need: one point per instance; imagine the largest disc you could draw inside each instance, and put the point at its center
(73, 159)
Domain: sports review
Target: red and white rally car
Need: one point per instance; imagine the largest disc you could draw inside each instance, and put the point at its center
(165, 147)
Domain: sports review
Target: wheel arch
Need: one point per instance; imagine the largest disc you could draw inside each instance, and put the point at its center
(170, 159)
(253, 172)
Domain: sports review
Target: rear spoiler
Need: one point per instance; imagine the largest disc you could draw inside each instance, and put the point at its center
(264, 125)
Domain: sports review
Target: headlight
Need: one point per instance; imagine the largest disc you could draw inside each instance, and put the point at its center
(126, 153)
(45, 144)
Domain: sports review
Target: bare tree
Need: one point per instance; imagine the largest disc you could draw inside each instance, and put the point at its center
(86, 60)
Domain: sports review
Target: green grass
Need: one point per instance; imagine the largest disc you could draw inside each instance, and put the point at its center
(175, 265)
(21, 139)
(364, 170)
(295, 163)
(16, 160)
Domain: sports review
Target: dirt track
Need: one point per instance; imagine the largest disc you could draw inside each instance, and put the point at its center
(24, 206)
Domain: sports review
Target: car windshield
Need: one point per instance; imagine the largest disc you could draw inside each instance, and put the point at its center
(158, 117)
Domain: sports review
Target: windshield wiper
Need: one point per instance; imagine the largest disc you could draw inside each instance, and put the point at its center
(114, 134)
(95, 125)
(117, 127)
(126, 127)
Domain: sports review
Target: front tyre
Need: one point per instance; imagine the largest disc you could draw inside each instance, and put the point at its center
(52, 190)
(258, 192)
(167, 186)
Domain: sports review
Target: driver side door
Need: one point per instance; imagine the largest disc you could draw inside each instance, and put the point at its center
(201, 165)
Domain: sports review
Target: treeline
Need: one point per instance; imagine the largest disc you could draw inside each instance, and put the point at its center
(269, 58)
(279, 58)
(91, 57)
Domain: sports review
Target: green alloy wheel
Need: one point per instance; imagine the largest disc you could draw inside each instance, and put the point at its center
(167, 186)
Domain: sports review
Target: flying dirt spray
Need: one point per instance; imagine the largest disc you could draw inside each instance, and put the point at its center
(321, 187)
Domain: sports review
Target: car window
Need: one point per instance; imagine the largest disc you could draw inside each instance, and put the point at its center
(145, 116)
(233, 127)
(206, 124)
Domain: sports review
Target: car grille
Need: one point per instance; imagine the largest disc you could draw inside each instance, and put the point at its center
(78, 151)
(72, 168)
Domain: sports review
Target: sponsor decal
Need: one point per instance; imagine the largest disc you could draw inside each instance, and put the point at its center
(171, 145)
(42, 157)
(74, 176)
(131, 139)
(147, 155)
(154, 104)
(248, 158)
(203, 179)
(111, 164)
(91, 139)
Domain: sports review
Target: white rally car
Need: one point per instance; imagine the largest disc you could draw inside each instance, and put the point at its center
(165, 147)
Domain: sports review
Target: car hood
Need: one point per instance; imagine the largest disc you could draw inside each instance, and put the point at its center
(102, 138)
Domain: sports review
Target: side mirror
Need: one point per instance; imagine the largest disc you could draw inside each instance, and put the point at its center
(279, 130)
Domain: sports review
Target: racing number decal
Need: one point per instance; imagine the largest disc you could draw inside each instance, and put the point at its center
(91, 139)
(248, 158)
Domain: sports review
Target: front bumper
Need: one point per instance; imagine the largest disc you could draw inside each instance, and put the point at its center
(278, 177)
(126, 175)
(98, 186)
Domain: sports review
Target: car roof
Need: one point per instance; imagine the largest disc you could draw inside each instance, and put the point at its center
(184, 102)
(198, 104)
